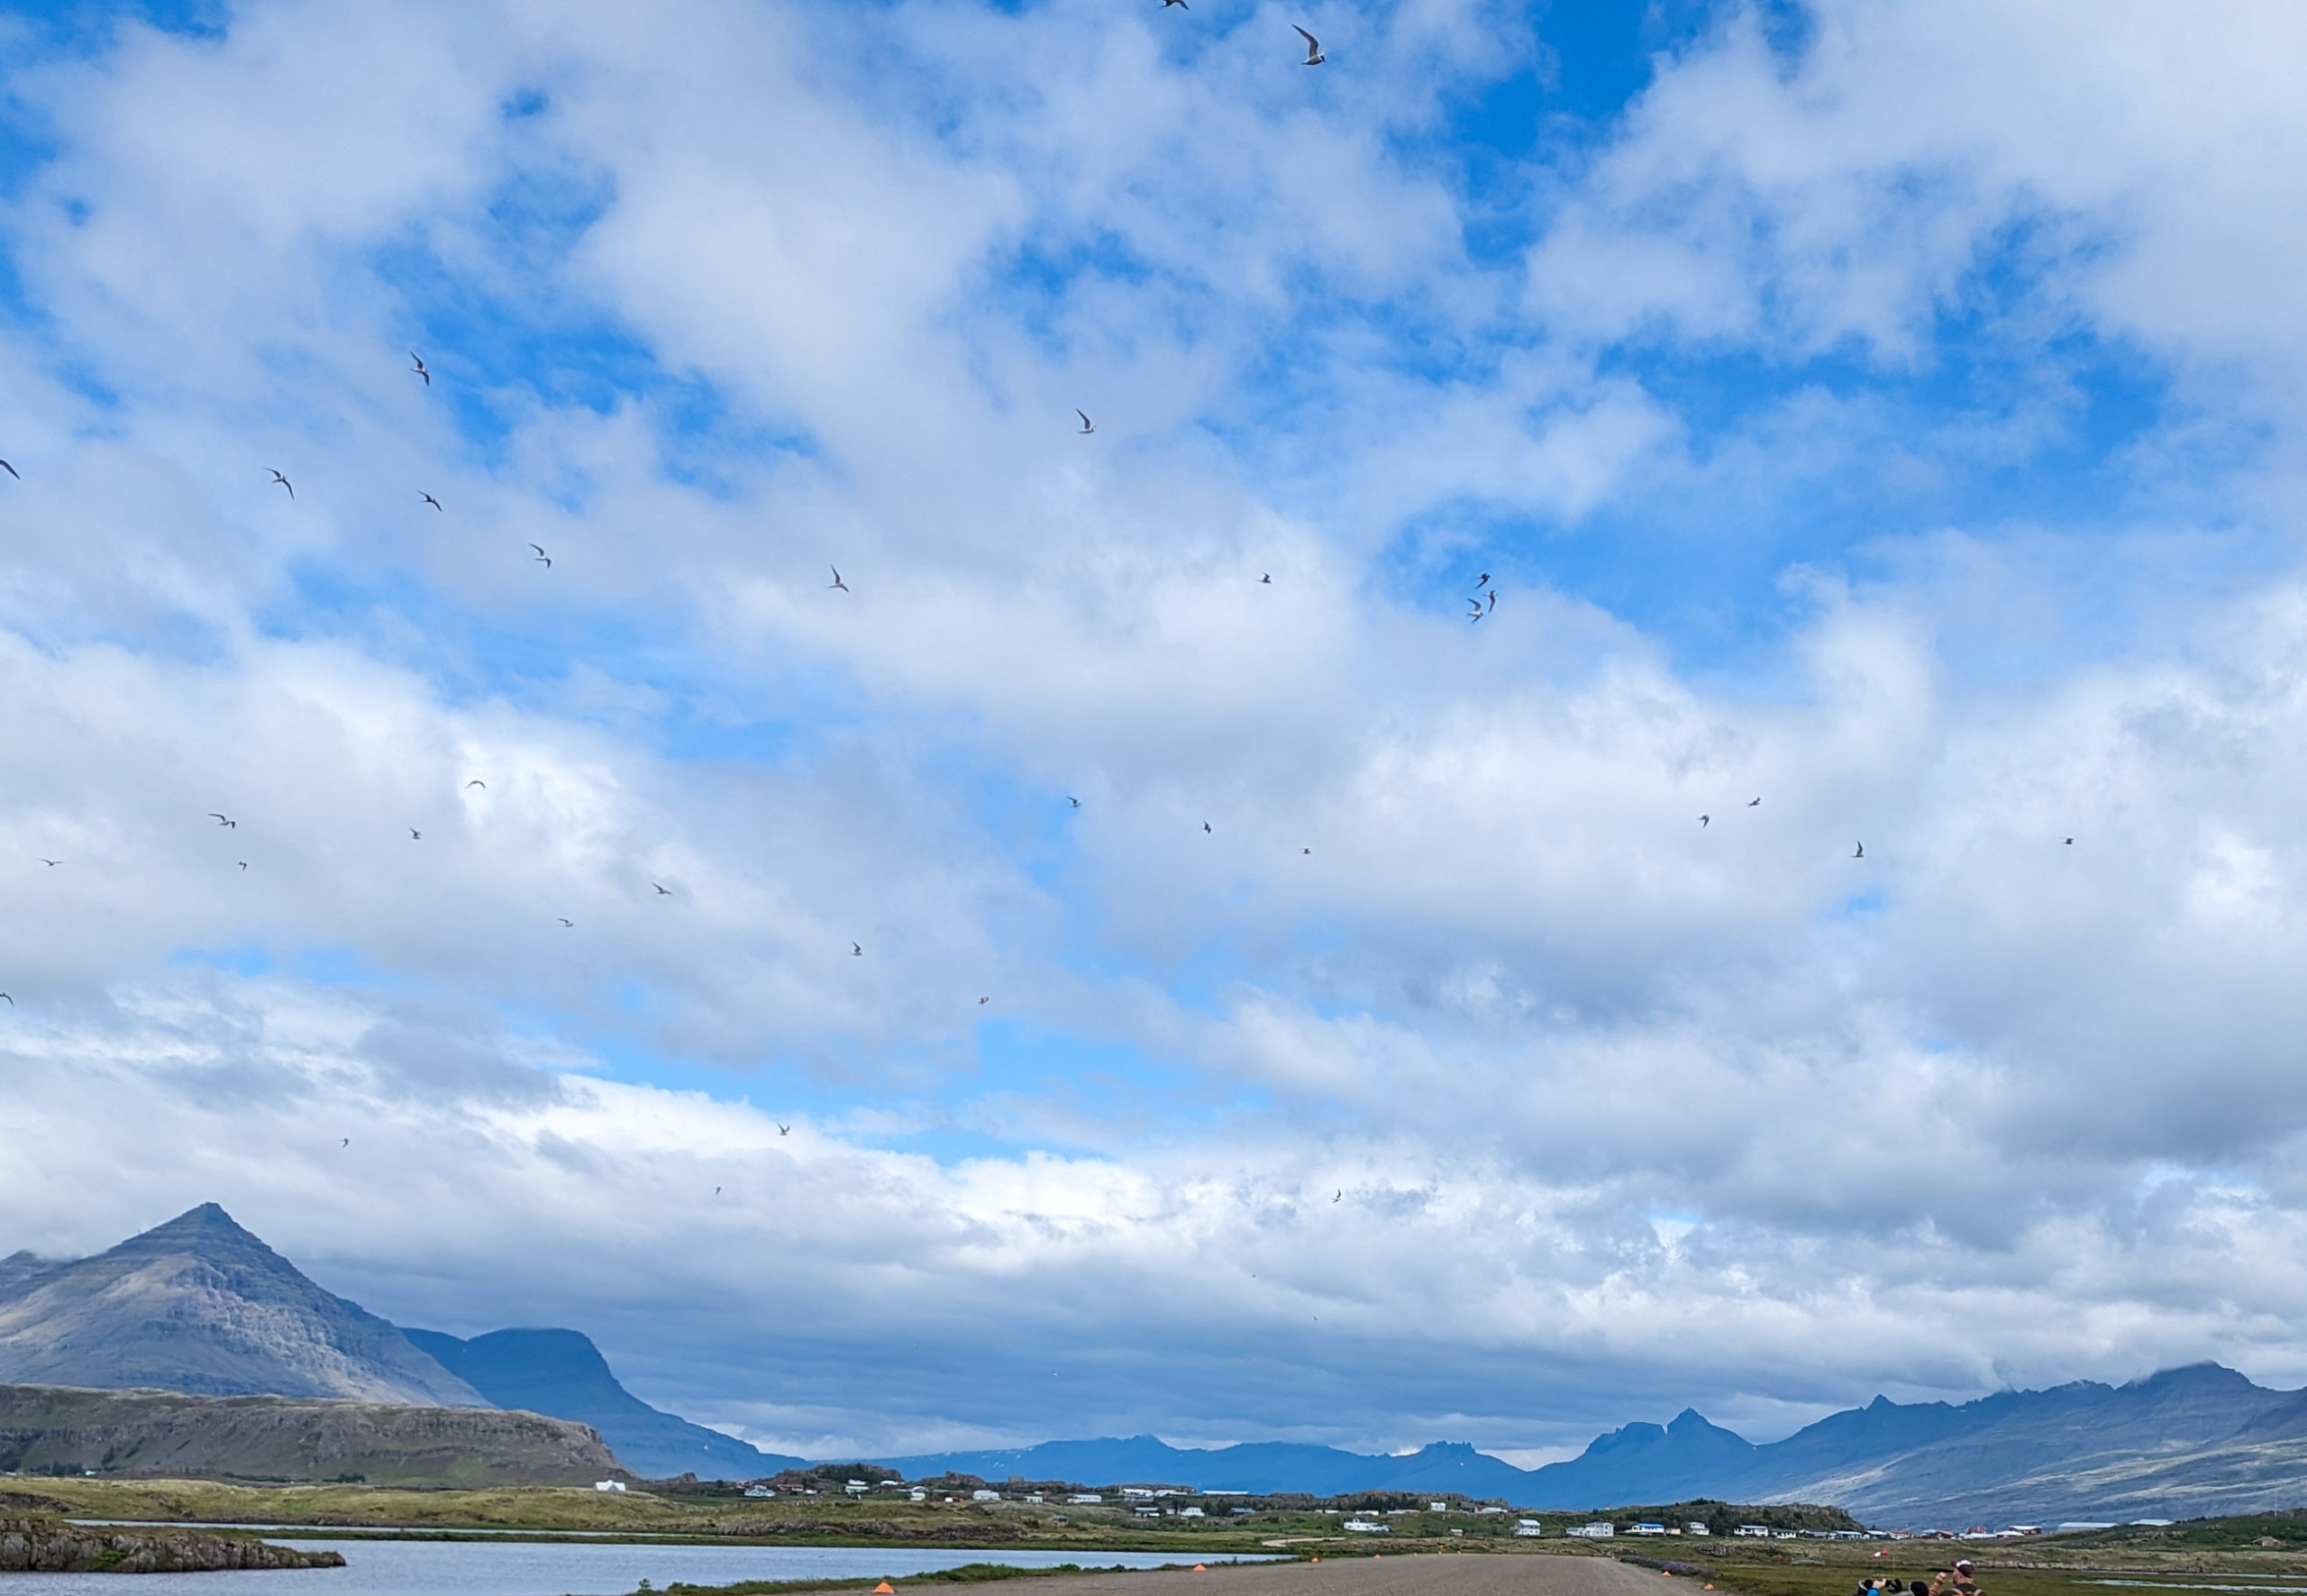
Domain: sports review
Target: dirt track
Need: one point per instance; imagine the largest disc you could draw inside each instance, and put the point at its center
(1445, 1574)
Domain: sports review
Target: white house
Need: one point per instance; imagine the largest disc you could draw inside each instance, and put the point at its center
(1368, 1527)
(608, 1485)
(1191, 1513)
(1759, 1531)
(1597, 1531)
(1089, 1499)
(985, 1496)
(1650, 1529)
(1529, 1526)
(1695, 1528)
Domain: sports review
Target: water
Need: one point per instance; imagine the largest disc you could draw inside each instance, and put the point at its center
(559, 1568)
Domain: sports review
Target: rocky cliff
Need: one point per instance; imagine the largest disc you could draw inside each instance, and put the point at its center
(166, 1433)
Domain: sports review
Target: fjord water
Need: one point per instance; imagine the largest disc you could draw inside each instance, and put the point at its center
(556, 1568)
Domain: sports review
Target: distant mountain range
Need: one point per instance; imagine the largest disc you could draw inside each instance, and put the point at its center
(2184, 1441)
(561, 1372)
(200, 1305)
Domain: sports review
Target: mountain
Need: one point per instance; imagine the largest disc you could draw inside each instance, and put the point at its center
(46, 1428)
(200, 1305)
(563, 1374)
(1262, 1467)
(2181, 1443)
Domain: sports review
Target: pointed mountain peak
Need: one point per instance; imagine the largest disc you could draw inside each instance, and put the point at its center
(207, 1231)
(2203, 1376)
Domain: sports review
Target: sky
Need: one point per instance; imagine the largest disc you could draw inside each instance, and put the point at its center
(1139, 954)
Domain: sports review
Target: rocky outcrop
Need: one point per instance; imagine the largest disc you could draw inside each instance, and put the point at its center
(167, 1433)
(53, 1546)
(200, 1305)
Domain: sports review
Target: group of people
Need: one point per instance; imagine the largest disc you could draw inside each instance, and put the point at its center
(1958, 1580)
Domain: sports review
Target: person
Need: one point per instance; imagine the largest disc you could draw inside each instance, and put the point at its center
(1956, 1580)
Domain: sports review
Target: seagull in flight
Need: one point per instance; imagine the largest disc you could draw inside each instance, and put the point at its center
(284, 482)
(428, 500)
(1305, 850)
(1087, 426)
(1860, 852)
(1705, 820)
(836, 581)
(1478, 609)
(1074, 801)
(1483, 581)
(1181, 4)
(475, 781)
(1752, 802)
(1339, 1195)
(1267, 579)
(982, 1002)
(52, 863)
(12, 1002)
(1493, 600)
(415, 835)
(241, 862)
(855, 951)
(1314, 56)
(419, 368)
(784, 1130)
(220, 820)
(565, 920)
(662, 891)
(2070, 842)
(542, 556)
(1205, 825)
(4, 466)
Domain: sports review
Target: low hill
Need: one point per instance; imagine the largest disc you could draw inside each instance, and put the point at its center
(200, 1305)
(563, 1374)
(46, 1429)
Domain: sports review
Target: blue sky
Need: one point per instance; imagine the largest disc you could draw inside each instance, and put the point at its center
(1904, 435)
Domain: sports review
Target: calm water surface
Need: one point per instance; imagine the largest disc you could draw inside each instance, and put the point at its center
(482, 1568)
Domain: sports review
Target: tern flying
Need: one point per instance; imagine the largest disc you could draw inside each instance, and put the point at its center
(1087, 426)
(284, 482)
(1860, 852)
(542, 556)
(1205, 825)
(1483, 581)
(415, 835)
(1339, 1195)
(220, 820)
(1478, 609)
(784, 1130)
(1704, 820)
(1074, 801)
(52, 862)
(566, 921)
(856, 951)
(345, 1141)
(1314, 56)
(4, 466)
(428, 500)
(1752, 802)
(662, 891)
(475, 781)
(982, 1002)
(12, 1002)
(836, 581)
(419, 368)
(241, 862)
(1268, 578)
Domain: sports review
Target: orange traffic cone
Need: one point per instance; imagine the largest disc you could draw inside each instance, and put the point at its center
(885, 1588)
(1197, 1568)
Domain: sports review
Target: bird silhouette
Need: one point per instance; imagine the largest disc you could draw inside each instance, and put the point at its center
(2070, 841)
(1482, 581)
(284, 482)
(856, 951)
(982, 1002)
(419, 368)
(475, 781)
(566, 921)
(4, 466)
(542, 558)
(784, 1130)
(1205, 825)
(836, 581)
(1339, 1195)
(662, 891)
(1087, 426)
(220, 820)
(1752, 802)
(1493, 600)
(1860, 852)
(241, 862)
(1267, 579)
(1705, 820)
(1477, 609)
(1305, 850)
(415, 835)
(428, 500)
(1314, 56)
(52, 863)
(1074, 801)
(1181, 4)
(12, 1002)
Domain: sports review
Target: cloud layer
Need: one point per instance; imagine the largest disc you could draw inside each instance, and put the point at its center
(1899, 432)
